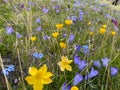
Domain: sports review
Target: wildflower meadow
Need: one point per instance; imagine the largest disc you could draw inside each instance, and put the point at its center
(59, 45)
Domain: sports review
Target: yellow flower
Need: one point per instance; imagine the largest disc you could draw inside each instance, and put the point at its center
(59, 26)
(104, 26)
(74, 88)
(102, 30)
(91, 33)
(55, 34)
(113, 33)
(62, 45)
(65, 63)
(39, 77)
(33, 38)
(68, 22)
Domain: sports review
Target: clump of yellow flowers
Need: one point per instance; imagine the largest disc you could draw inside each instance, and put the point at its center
(103, 29)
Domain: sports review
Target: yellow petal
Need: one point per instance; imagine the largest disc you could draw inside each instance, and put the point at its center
(68, 67)
(43, 69)
(47, 75)
(30, 80)
(33, 71)
(46, 81)
(38, 87)
(69, 61)
(62, 68)
(64, 58)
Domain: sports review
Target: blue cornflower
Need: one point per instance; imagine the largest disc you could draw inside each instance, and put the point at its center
(105, 62)
(9, 30)
(77, 79)
(113, 71)
(97, 63)
(38, 55)
(45, 10)
(71, 38)
(65, 87)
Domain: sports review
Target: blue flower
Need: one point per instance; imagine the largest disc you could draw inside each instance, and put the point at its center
(76, 59)
(18, 35)
(46, 37)
(93, 73)
(77, 48)
(65, 87)
(97, 63)
(45, 10)
(9, 30)
(85, 49)
(39, 29)
(5, 71)
(113, 71)
(38, 55)
(71, 38)
(11, 68)
(82, 64)
(77, 79)
(105, 62)
(38, 20)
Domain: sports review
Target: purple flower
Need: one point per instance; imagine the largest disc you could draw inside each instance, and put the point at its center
(71, 38)
(77, 79)
(39, 29)
(76, 60)
(9, 30)
(78, 48)
(45, 10)
(114, 22)
(116, 28)
(38, 20)
(97, 63)
(65, 87)
(113, 71)
(105, 62)
(64, 35)
(18, 35)
(93, 73)
(82, 64)
(46, 37)
(5, 0)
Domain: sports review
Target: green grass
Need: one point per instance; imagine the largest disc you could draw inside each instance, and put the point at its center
(20, 50)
